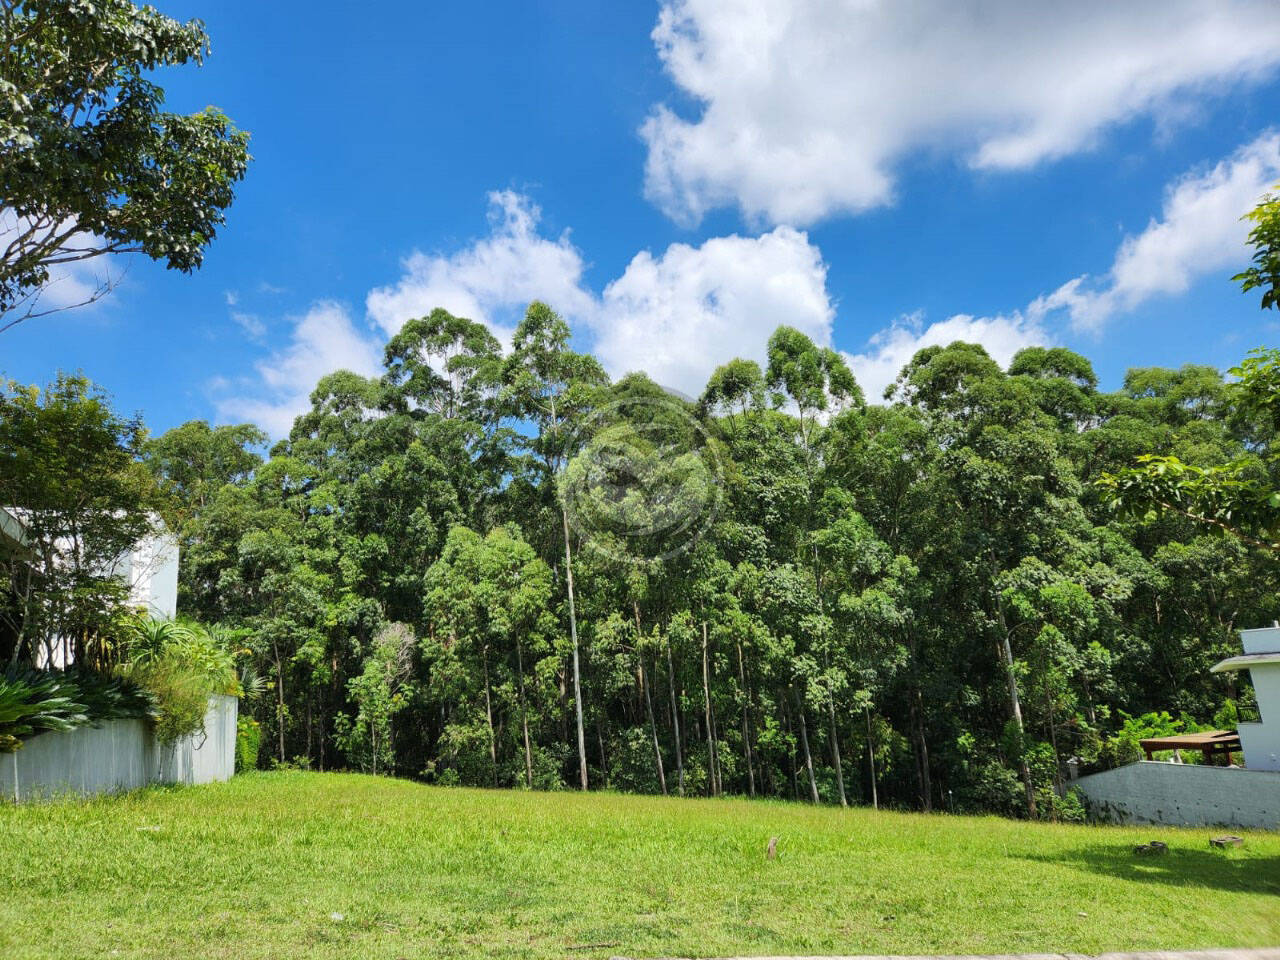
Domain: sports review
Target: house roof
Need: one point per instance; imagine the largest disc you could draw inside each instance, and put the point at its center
(1245, 662)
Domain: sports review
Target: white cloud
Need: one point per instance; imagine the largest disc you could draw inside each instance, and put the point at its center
(253, 328)
(1200, 231)
(892, 348)
(680, 315)
(324, 340)
(805, 107)
(494, 278)
(676, 315)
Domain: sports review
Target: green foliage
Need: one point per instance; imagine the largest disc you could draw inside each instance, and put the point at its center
(926, 603)
(1123, 746)
(180, 692)
(69, 471)
(179, 665)
(93, 165)
(248, 743)
(32, 703)
(1264, 237)
(379, 692)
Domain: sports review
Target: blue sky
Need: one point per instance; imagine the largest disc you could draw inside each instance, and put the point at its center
(678, 178)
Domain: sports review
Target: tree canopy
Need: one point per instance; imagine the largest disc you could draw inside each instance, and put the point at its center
(91, 162)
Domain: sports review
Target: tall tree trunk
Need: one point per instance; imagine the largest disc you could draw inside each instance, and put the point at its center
(835, 748)
(706, 702)
(826, 662)
(604, 761)
(488, 713)
(648, 703)
(1053, 741)
(804, 744)
(1088, 694)
(746, 722)
(1015, 704)
(871, 760)
(524, 716)
(922, 752)
(675, 717)
(791, 756)
(653, 727)
(573, 633)
(716, 768)
(275, 646)
(1015, 708)
(916, 716)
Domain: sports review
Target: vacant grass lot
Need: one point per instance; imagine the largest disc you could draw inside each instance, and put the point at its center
(330, 865)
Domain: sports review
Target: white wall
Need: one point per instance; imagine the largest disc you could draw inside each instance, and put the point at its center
(1261, 741)
(1184, 794)
(151, 570)
(120, 755)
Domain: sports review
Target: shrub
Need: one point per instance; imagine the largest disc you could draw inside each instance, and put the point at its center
(180, 664)
(32, 703)
(181, 695)
(248, 742)
(107, 697)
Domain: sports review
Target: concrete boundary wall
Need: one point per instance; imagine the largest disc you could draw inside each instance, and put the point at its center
(120, 755)
(1184, 794)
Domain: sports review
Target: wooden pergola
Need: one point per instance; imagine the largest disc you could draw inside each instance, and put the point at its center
(1211, 743)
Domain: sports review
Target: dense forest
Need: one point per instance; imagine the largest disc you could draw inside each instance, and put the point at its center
(499, 568)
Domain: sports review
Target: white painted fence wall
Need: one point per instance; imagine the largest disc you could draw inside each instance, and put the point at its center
(120, 755)
(1184, 794)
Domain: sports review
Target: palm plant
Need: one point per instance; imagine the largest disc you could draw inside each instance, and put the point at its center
(31, 703)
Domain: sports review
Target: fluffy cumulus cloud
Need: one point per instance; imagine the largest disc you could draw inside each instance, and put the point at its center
(1199, 231)
(802, 108)
(892, 348)
(324, 339)
(679, 315)
(493, 279)
(676, 315)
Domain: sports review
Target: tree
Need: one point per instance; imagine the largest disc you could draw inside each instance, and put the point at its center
(937, 581)
(92, 164)
(815, 380)
(380, 692)
(551, 385)
(488, 595)
(193, 461)
(1240, 498)
(69, 472)
(1264, 237)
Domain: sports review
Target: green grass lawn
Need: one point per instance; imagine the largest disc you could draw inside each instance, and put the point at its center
(333, 865)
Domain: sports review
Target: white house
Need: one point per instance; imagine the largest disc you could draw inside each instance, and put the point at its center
(1260, 742)
(1203, 794)
(150, 569)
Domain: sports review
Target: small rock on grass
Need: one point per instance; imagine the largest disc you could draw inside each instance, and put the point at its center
(1227, 840)
(1152, 848)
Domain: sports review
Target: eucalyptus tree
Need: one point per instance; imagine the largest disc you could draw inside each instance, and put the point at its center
(487, 604)
(550, 386)
(446, 365)
(817, 382)
(194, 460)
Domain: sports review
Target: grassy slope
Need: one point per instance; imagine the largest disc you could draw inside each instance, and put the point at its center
(261, 866)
